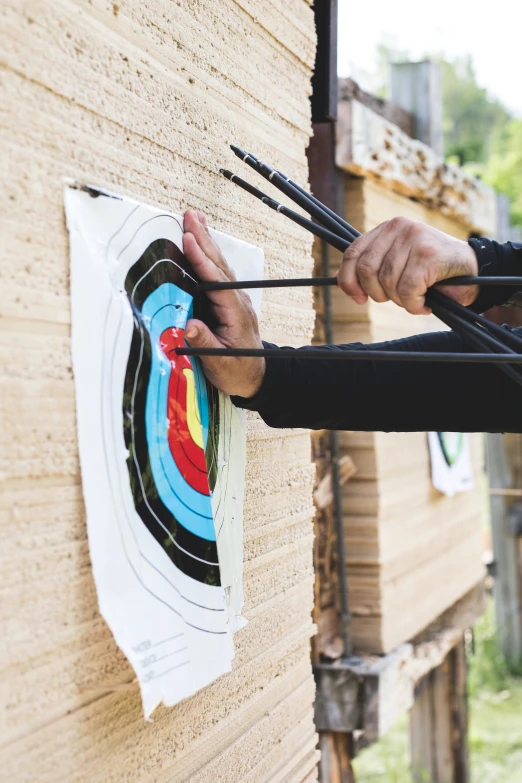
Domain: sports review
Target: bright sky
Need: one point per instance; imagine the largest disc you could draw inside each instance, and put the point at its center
(489, 32)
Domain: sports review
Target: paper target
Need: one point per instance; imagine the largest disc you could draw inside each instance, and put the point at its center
(162, 452)
(451, 469)
(166, 415)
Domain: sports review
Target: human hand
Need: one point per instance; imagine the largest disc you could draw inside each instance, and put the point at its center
(400, 260)
(233, 311)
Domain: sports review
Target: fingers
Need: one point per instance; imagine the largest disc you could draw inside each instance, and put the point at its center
(411, 291)
(242, 376)
(195, 224)
(392, 267)
(198, 335)
(358, 269)
(204, 267)
(397, 261)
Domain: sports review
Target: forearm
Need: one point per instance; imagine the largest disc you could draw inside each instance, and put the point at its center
(389, 395)
(493, 259)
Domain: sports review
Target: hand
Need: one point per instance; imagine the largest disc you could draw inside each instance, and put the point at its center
(237, 321)
(400, 260)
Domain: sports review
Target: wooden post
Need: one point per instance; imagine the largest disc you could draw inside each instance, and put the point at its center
(438, 723)
(502, 469)
(459, 713)
(335, 765)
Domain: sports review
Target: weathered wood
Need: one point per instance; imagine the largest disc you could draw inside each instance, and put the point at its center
(323, 493)
(325, 178)
(439, 723)
(349, 89)
(430, 729)
(387, 692)
(370, 146)
(326, 614)
(337, 703)
(502, 469)
(459, 713)
(336, 758)
(371, 692)
(324, 79)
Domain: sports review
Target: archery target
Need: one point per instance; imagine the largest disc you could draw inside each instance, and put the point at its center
(166, 414)
(162, 452)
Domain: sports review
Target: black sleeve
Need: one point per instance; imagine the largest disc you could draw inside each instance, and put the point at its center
(493, 259)
(389, 395)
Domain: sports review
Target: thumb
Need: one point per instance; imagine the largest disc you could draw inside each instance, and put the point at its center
(198, 335)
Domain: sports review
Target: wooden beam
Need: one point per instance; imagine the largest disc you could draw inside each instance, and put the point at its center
(326, 181)
(502, 452)
(324, 79)
(370, 146)
(430, 729)
(323, 493)
(459, 713)
(337, 702)
(370, 693)
(439, 723)
(335, 765)
(349, 89)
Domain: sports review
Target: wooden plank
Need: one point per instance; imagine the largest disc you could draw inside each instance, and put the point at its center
(337, 705)
(388, 692)
(508, 577)
(349, 89)
(459, 713)
(430, 734)
(324, 79)
(369, 693)
(439, 723)
(336, 756)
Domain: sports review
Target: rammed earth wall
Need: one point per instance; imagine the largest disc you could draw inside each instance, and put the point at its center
(143, 98)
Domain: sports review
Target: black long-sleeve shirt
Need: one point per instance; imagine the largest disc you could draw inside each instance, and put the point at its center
(399, 396)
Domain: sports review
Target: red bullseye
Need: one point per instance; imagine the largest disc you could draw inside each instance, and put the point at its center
(188, 455)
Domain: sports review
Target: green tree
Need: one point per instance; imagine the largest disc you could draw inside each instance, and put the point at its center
(479, 132)
(471, 117)
(503, 169)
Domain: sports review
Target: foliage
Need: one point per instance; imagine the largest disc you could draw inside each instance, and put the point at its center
(479, 132)
(388, 760)
(487, 666)
(471, 116)
(495, 736)
(503, 169)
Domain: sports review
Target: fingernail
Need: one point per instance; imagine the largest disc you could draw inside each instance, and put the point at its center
(192, 332)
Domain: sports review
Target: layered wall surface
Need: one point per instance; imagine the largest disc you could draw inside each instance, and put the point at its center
(144, 98)
(411, 552)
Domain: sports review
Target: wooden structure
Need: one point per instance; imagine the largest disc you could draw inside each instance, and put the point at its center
(413, 556)
(403, 539)
(144, 98)
(504, 454)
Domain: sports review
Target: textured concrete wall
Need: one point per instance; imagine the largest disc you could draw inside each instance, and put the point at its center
(143, 97)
